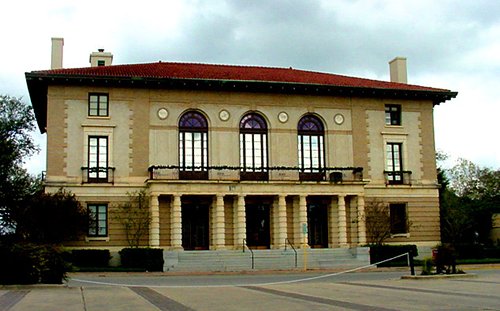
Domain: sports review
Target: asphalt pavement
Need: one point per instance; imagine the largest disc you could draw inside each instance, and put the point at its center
(291, 290)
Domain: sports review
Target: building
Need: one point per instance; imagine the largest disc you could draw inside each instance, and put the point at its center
(240, 155)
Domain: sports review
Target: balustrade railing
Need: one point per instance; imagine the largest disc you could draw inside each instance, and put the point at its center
(336, 175)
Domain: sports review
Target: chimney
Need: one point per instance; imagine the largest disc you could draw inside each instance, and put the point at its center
(100, 58)
(397, 67)
(57, 53)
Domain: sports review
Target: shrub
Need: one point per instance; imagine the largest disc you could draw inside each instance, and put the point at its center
(90, 257)
(469, 251)
(427, 266)
(149, 259)
(382, 252)
(30, 264)
(492, 252)
(446, 259)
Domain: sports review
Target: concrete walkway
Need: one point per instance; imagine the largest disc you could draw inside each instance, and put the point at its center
(360, 291)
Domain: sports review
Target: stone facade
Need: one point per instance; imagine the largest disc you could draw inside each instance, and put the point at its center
(219, 212)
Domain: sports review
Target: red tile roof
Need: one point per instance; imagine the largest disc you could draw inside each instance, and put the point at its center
(162, 70)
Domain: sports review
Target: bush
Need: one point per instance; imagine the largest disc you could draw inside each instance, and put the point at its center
(446, 259)
(31, 264)
(149, 259)
(90, 257)
(427, 266)
(469, 251)
(492, 252)
(382, 252)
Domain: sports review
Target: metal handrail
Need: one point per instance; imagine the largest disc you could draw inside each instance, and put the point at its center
(287, 241)
(251, 251)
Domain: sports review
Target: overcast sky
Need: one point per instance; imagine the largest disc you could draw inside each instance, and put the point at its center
(449, 44)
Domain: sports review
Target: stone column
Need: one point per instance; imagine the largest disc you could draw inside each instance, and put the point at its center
(333, 224)
(240, 224)
(219, 232)
(282, 222)
(342, 219)
(176, 223)
(154, 227)
(361, 220)
(303, 221)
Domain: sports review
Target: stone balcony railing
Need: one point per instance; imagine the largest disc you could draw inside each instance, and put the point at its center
(282, 173)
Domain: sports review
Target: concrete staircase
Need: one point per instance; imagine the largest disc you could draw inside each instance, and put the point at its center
(272, 259)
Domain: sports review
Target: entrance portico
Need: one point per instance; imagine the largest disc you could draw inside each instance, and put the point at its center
(262, 220)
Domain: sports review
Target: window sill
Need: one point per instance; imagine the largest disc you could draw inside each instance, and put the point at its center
(99, 117)
(400, 235)
(97, 239)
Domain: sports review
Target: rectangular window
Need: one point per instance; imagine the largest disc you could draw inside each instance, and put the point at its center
(98, 105)
(98, 159)
(393, 114)
(98, 220)
(399, 221)
(394, 165)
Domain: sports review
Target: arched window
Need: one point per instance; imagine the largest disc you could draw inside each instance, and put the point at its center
(311, 135)
(253, 147)
(193, 146)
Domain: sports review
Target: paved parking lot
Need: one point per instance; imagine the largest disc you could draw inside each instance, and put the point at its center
(271, 291)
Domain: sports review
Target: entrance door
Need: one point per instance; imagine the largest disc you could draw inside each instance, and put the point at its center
(317, 220)
(258, 233)
(195, 233)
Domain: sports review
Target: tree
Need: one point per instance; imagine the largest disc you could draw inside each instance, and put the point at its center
(468, 201)
(135, 217)
(378, 222)
(16, 122)
(51, 218)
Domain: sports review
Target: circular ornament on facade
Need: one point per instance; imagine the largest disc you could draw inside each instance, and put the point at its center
(283, 117)
(162, 113)
(224, 115)
(338, 119)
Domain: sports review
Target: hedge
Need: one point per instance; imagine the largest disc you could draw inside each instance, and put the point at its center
(382, 252)
(90, 257)
(149, 259)
(27, 263)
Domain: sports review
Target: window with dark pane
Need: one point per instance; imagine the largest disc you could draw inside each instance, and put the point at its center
(399, 222)
(394, 164)
(253, 147)
(98, 159)
(311, 134)
(98, 220)
(193, 146)
(393, 114)
(98, 105)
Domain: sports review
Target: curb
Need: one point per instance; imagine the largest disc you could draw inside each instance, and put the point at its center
(438, 276)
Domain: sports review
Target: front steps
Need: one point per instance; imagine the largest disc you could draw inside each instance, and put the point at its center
(271, 259)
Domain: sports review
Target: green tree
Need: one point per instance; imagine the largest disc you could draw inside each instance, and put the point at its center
(17, 121)
(378, 222)
(135, 217)
(51, 218)
(469, 196)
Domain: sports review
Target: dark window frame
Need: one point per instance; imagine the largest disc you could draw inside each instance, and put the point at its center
(394, 176)
(393, 115)
(253, 127)
(97, 173)
(310, 128)
(192, 124)
(95, 219)
(98, 110)
(398, 213)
